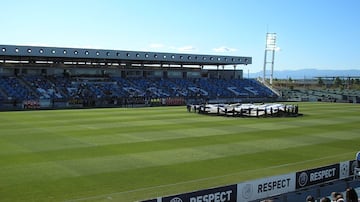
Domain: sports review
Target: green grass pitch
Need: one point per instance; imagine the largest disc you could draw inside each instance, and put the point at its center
(130, 154)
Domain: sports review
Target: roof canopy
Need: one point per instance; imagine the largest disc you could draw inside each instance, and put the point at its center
(64, 54)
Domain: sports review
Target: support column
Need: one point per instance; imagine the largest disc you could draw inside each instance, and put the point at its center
(272, 67)
(234, 71)
(264, 69)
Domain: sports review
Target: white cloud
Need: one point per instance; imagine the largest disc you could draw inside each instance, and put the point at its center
(39, 44)
(156, 46)
(186, 49)
(224, 49)
(83, 46)
(162, 47)
(89, 47)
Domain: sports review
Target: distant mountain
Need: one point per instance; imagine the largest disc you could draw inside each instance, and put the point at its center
(307, 73)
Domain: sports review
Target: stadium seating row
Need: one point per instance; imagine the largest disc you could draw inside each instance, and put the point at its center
(328, 95)
(22, 88)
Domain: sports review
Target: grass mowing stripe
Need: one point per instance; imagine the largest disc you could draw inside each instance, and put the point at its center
(172, 144)
(89, 166)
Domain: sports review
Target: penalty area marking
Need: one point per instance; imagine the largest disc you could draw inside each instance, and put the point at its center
(110, 196)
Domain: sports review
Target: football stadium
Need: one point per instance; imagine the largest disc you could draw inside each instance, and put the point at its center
(111, 125)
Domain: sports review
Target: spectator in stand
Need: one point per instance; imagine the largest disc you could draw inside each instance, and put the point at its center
(337, 197)
(351, 195)
(325, 199)
(310, 199)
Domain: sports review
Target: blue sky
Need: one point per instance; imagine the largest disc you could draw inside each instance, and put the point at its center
(321, 34)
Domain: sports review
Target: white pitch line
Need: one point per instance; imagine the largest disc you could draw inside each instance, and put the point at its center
(199, 180)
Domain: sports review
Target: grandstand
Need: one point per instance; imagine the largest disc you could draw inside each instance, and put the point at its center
(322, 89)
(53, 77)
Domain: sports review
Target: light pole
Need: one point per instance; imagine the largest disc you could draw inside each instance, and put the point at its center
(270, 48)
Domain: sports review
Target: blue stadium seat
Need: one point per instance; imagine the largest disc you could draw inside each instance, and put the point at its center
(61, 87)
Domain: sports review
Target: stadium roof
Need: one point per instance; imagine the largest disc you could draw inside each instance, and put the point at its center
(11, 52)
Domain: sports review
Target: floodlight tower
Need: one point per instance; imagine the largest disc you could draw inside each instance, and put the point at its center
(270, 48)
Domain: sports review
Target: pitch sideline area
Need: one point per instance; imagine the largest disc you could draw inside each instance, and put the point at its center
(61, 155)
(119, 195)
